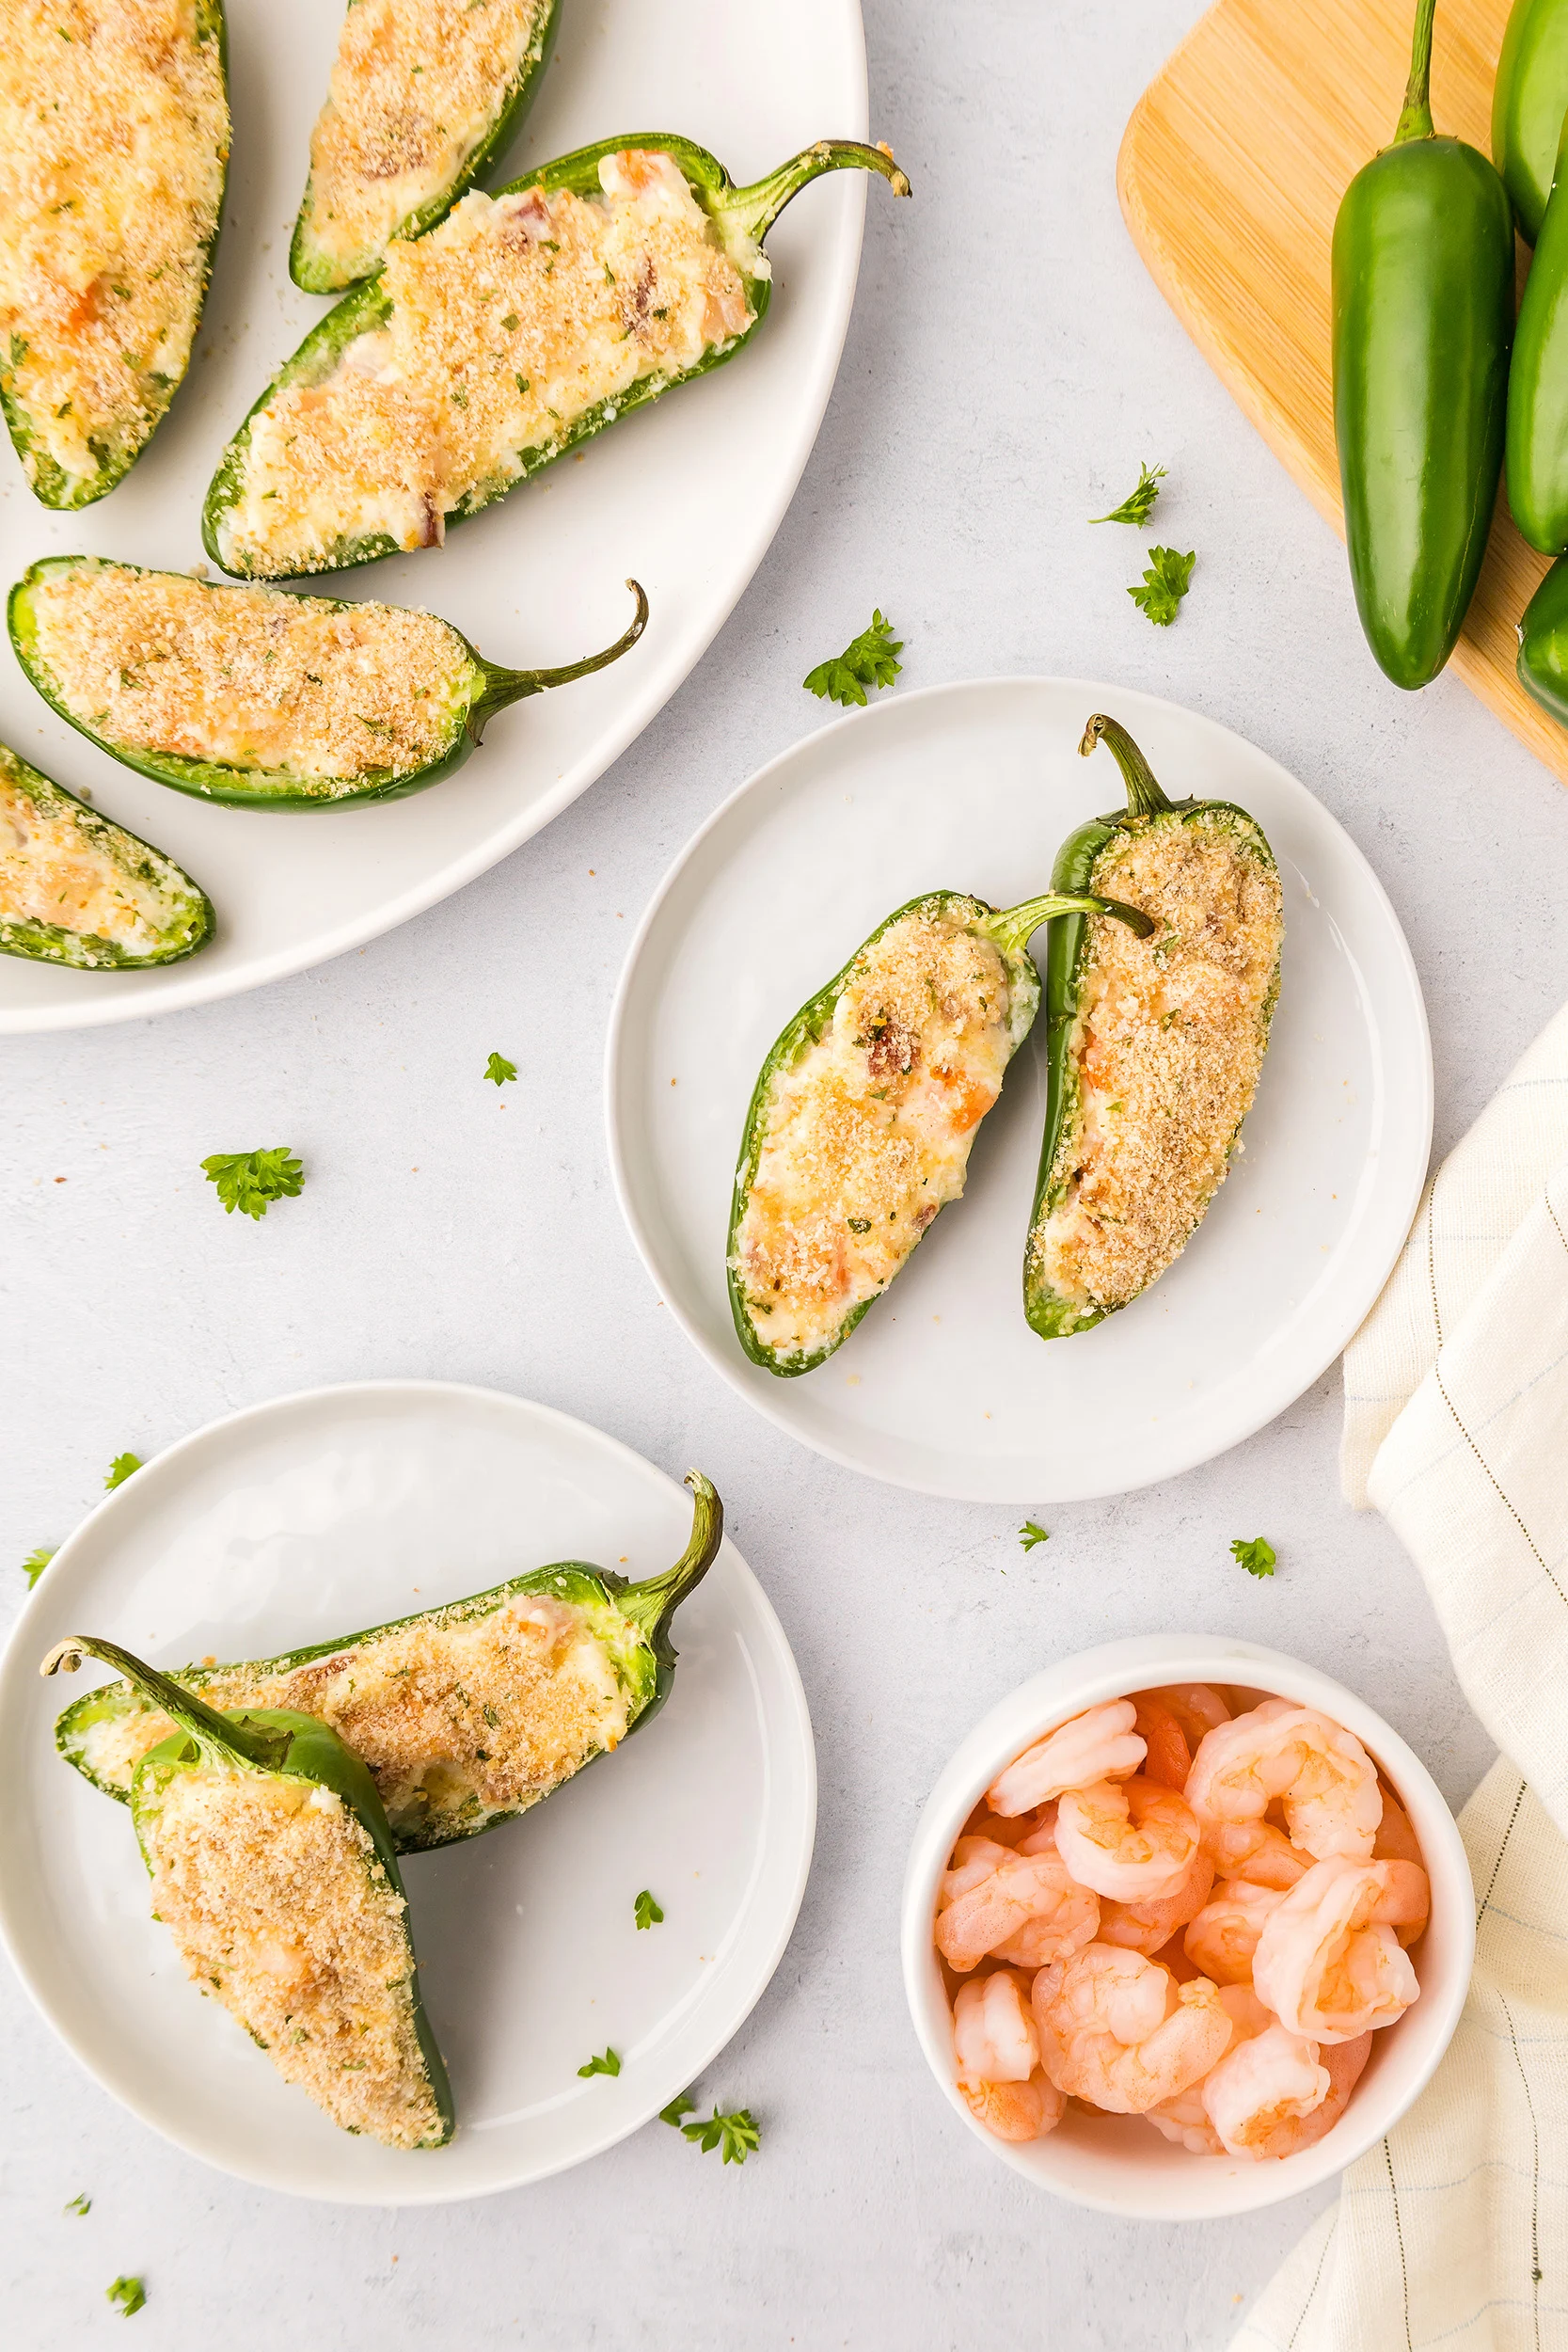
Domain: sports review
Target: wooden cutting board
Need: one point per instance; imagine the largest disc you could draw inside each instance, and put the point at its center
(1230, 174)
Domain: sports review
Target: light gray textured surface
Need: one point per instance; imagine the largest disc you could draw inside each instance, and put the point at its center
(1009, 364)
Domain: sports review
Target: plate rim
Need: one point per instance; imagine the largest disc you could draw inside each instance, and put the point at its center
(13, 1666)
(661, 687)
(734, 1371)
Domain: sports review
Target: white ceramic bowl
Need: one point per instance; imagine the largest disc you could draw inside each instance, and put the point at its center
(1118, 2164)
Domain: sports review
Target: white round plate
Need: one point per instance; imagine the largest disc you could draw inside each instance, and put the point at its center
(684, 496)
(340, 1508)
(944, 1387)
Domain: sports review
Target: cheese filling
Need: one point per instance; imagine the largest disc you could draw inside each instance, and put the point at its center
(1164, 1057)
(416, 86)
(509, 324)
(250, 678)
(458, 1721)
(279, 1908)
(867, 1133)
(113, 133)
(52, 872)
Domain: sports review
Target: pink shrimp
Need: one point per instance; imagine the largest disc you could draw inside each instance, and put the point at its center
(1144, 1927)
(1223, 1936)
(997, 2046)
(1098, 1745)
(1170, 1757)
(1344, 2062)
(1060, 1926)
(1328, 1962)
(1185, 2119)
(1133, 1842)
(1319, 1773)
(990, 1893)
(1396, 1841)
(1198, 1707)
(1267, 2082)
(1119, 2032)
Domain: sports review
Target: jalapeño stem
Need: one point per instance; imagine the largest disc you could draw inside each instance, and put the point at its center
(1145, 795)
(214, 1733)
(1415, 121)
(1015, 927)
(753, 211)
(504, 687)
(651, 1604)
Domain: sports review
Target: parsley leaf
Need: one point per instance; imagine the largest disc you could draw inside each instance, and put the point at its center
(124, 1465)
(869, 659)
(1139, 505)
(251, 1180)
(36, 1562)
(82, 2203)
(498, 1070)
(682, 2104)
(1257, 1557)
(734, 2134)
(1165, 583)
(647, 1911)
(129, 2294)
(1032, 1532)
(608, 2064)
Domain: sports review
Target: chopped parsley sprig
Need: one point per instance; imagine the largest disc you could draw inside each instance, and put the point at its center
(1137, 506)
(735, 2135)
(129, 2294)
(608, 2064)
(1257, 1556)
(36, 1562)
(124, 1465)
(1165, 583)
(1032, 1532)
(252, 1180)
(499, 1071)
(869, 659)
(646, 1912)
(80, 2204)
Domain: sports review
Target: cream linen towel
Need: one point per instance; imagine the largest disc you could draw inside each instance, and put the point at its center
(1453, 2231)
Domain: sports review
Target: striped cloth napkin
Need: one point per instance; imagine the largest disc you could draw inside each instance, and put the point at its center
(1453, 2230)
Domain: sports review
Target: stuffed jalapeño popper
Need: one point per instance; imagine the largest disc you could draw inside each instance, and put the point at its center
(862, 1118)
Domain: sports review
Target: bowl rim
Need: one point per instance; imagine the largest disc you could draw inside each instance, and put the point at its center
(1113, 1670)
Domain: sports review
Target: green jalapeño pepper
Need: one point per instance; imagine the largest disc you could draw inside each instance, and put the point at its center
(482, 351)
(1423, 315)
(274, 1871)
(421, 103)
(1537, 393)
(261, 697)
(1153, 1043)
(116, 124)
(1542, 660)
(76, 888)
(1529, 99)
(464, 1715)
(861, 1120)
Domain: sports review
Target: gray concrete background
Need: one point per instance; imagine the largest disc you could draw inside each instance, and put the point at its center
(1007, 366)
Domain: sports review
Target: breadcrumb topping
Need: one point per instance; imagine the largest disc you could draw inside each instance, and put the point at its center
(279, 1908)
(867, 1132)
(250, 678)
(1166, 1054)
(114, 134)
(458, 1720)
(509, 324)
(416, 86)
(52, 871)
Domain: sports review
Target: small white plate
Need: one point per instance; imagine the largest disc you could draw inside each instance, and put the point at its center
(944, 1387)
(685, 496)
(340, 1508)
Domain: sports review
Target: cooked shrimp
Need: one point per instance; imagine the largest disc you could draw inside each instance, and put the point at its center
(1196, 1707)
(1015, 2110)
(1144, 1927)
(1119, 2032)
(1396, 1841)
(990, 1893)
(994, 2035)
(1185, 2119)
(1170, 1757)
(1269, 2080)
(1344, 2062)
(1224, 1935)
(982, 1823)
(1133, 1842)
(1321, 1775)
(1062, 1924)
(1328, 1962)
(1097, 1745)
